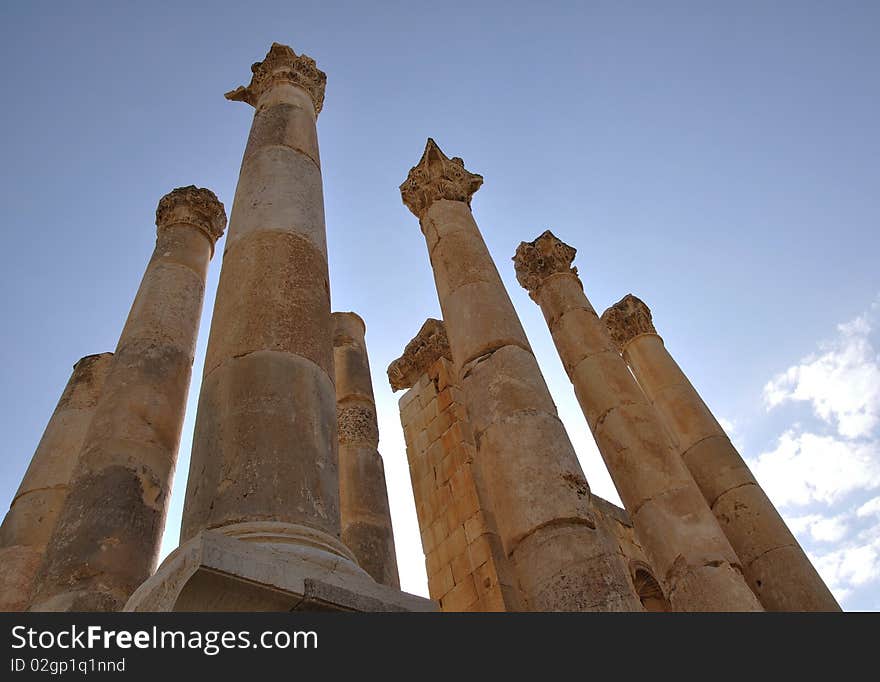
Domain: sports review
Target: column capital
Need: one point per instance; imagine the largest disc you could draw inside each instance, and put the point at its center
(194, 206)
(283, 65)
(537, 260)
(627, 319)
(429, 345)
(436, 176)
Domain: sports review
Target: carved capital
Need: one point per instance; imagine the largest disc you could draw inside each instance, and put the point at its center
(537, 260)
(356, 424)
(627, 319)
(429, 345)
(436, 176)
(283, 65)
(194, 206)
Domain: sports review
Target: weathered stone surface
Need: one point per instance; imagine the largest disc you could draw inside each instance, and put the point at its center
(282, 65)
(467, 567)
(627, 319)
(436, 176)
(748, 518)
(108, 532)
(430, 344)
(248, 567)
(672, 521)
(266, 446)
(265, 440)
(533, 483)
(34, 509)
(536, 261)
(363, 497)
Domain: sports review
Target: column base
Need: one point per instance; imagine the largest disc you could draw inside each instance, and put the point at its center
(267, 566)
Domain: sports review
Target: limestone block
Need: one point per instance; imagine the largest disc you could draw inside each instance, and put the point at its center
(677, 534)
(460, 258)
(273, 295)
(289, 123)
(602, 383)
(480, 319)
(507, 382)
(712, 587)
(280, 406)
(750, 521)
(717, 467)
(18, 567)
(638, 455)
(690, 420)
(526, 493)
(279, 190)
(784, 581)
(577, 335)
(572, 567)
(213, 572)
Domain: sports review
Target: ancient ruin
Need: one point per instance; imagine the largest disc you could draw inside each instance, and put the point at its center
(286, 504)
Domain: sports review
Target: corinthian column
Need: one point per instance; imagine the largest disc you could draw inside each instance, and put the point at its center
(776, 567)
(35, 507)
(363, 497)
(108, 534)
(264, 447)
(261, 525)
(534, 483)
(678, 532)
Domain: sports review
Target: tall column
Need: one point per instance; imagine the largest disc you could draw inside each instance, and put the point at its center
(678, 532)
(363, 497)
(35, 507)
(264, 458)
(108, 534)
(534, 482)
(774, 564)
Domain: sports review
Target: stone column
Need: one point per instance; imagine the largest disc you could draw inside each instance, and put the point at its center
(676, 528)
(534, 482)
(264, 458)
(363, 497)
(108, 534)
(774, 564)
(35, 507)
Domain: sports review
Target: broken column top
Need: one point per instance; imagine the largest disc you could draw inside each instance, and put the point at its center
(283, 65)
(194, 206)
(537, 260)
(627, 319)
(429, 345)
(347, 326)
(436, 176)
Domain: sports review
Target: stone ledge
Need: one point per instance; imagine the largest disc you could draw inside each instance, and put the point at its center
(213, 572)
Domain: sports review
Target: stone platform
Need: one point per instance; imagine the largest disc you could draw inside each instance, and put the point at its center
(267, 567)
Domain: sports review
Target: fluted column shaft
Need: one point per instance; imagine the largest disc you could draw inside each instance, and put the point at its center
(34, 509)
(265, 444)
(107, 538)
(676, 528)
(363, 496)
(535, 485)
(774, 564)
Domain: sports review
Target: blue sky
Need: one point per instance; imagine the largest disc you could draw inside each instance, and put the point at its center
(719, 160)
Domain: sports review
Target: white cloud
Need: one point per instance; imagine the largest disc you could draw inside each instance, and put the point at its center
(869, 508)
(806, 468)
(820, 528)
(849, 567)
(842, 382)
(825, 480)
